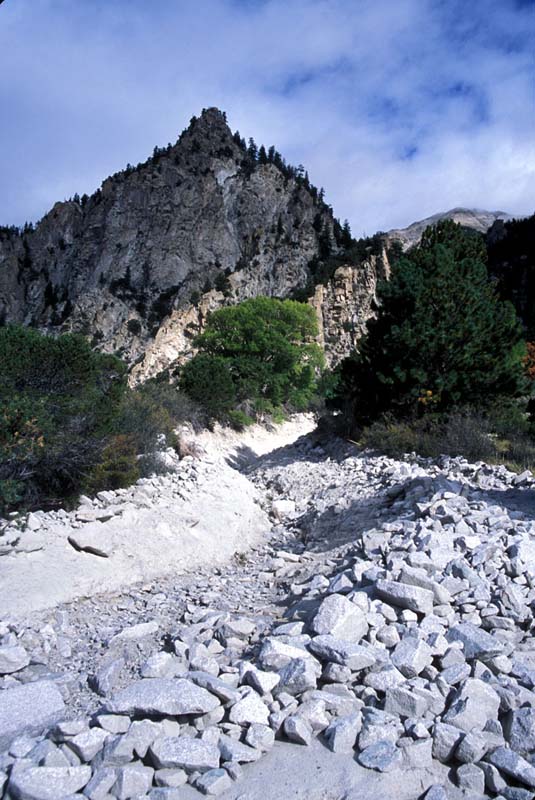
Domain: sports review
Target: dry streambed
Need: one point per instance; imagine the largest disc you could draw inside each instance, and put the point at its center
(378, 644)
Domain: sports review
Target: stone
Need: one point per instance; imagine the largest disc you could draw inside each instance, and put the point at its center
(214, 685)
(164, 793)
(405, 596)
(445, 740)
(283, 508)
(132, 780)
(382, 756)
(478, 644)
(298, 676)
(406, 703)
(340, 618)
(473, 705)
(47, 783)
(249, 709)
(261, 737)
(411, 656)
(379, 726)
(28, 709)
(510, 763)
(13, 658)
(135, 632)
(275, 654)
(68, 728)
(472, 747)
(182, 752)
(163, 696)
(88, 743)
(298, 730)
(160, 665)
(263, 682)
(113, 723)
(519, 730)
(107, 676)
(471, 778)
(384, 679)
(341, 735)
(100, 784)
(418, 577)
(214, 782)
(348, 654)
(436, 792)
(234, 750)
(172, 778)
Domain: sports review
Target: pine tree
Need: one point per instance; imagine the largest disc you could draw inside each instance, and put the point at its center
(252, 150)
(442, 338)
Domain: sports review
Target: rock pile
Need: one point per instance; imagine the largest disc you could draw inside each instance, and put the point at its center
(406, 643)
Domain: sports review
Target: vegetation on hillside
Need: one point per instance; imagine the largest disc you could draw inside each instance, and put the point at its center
(444, 367)
(69, 422)
(255, 358)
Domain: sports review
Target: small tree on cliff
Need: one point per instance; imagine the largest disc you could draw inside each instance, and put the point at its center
(442, 337)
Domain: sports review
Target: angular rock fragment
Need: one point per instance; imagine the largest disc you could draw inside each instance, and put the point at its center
(340, 618)
(298, 730)
(48, 783)
(29, 708)
(473, 705)
(510, 763)
(193, 755)
(382, 756)
(340, 651)
(477, 642)
(249, 709)
(163, 696)
(12, 659)
(214, 782)
(403, 595)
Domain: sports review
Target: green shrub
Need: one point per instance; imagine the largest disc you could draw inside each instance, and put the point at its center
(58, 398)
(458, 433)
(11, 493)
(207, 380)
(239, 419)
(69, 422)
(118, 467)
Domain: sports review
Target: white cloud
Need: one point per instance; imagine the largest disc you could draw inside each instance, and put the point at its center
(347, 88)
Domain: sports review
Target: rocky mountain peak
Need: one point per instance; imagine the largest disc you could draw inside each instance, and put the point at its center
(205, 222)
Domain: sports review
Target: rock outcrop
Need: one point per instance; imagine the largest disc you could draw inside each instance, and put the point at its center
(201, 223)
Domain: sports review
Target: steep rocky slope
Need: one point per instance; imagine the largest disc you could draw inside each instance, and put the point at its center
(204, 222)
(476, 219)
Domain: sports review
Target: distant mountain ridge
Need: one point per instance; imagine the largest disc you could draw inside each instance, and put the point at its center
(476, 219)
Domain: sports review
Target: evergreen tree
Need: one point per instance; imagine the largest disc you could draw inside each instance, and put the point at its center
(262, 155)
(346, 239)
(252, 150)
(442, 338)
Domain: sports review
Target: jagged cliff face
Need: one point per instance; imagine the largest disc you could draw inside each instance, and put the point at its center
(133, 266)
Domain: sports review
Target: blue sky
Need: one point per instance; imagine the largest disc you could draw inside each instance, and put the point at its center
(399, 108)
